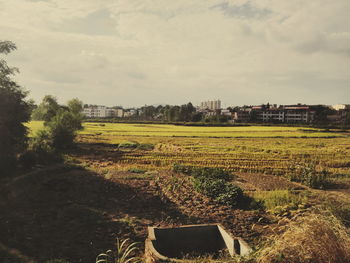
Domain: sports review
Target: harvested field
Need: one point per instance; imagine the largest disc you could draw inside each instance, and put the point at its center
(122, 181)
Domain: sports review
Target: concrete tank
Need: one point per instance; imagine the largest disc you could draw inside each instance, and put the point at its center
(173, 243)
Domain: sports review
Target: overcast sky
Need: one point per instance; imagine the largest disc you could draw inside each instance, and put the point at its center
(136, 52)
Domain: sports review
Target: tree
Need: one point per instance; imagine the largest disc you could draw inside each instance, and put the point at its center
(14, 112)
(321, 113)
(63, 128)
(46, 109)
(75, 106)
(61, 125)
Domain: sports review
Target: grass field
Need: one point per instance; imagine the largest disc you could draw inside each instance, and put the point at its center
(254, 149)
(136, 161)
(164, 130)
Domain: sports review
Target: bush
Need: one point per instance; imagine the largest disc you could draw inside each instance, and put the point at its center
(213, 182)
(209, 187)
(231, 195)
(214, 173)
(63, 127)
(42, 143)
(40, 151)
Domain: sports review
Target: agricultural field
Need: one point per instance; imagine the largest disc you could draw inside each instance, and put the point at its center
(294, 181)
(251, 149)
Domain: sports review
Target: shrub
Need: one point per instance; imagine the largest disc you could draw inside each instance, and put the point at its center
(42, 143)
(40, 150)
(231, 195)
(63, 127)
(209, 187)
(213, 182)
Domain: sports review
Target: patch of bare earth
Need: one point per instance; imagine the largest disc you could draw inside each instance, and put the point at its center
(265, 182)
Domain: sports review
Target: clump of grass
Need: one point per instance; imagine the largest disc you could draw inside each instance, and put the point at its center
(316, 238)
(136, 145)
(221, 257)
(124, 253)
(339, 210)
(129, 145)
(137, 170)
(280, 201)
(146, 146)
(307, 174)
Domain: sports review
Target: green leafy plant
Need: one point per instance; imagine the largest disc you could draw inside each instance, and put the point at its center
(124, 253)
(213, 182)
(214, 173)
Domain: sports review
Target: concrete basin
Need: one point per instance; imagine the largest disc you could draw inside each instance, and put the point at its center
(173, 243)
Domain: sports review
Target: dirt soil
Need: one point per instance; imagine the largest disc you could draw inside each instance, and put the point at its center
(74, 214)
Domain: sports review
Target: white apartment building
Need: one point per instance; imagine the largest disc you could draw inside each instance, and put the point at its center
(95, 111)
(119, 113)
(98, 111)
(272, 115)
(287, 114)
(211, 105)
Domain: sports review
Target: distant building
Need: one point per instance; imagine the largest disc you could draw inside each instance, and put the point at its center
(341, 107)
(98, 111)
(211, 105)
(129, 113)
(274, 114)
(119, 113)
(226, 113)
(95, 111)
(241, 116)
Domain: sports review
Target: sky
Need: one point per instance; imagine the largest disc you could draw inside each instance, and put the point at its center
(137, 52)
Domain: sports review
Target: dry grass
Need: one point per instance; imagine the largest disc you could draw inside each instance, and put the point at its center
(315, 238)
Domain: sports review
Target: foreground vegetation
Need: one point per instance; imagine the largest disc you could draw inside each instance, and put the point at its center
(269, 190)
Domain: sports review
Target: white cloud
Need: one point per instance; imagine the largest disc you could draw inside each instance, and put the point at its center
(133, 52)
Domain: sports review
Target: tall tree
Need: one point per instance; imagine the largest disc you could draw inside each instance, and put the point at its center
(14, 112)
(75, 106)
(47, 109)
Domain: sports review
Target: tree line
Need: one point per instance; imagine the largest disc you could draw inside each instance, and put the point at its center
(61, 122)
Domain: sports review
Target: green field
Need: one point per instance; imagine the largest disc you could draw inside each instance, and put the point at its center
(258, 149)
(113, 129)
(164, 130)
